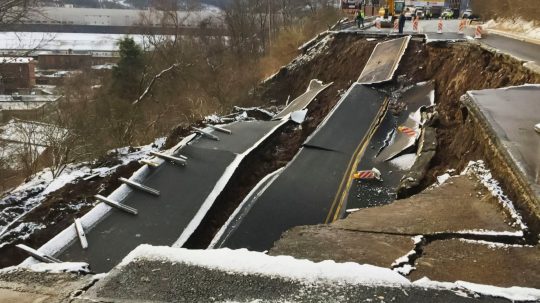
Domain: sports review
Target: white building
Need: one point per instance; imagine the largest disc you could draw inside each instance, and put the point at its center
(122, 17)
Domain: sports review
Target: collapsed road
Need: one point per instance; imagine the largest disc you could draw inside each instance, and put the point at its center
(186, 194)
(303, 191)
(372, 141)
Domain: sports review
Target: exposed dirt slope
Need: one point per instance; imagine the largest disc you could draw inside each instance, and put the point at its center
(59, 209)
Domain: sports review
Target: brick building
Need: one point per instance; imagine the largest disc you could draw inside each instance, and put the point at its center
(16, 73)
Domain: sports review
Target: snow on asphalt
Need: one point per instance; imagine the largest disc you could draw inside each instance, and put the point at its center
(243, 261)
(18, 202)
(246, 262)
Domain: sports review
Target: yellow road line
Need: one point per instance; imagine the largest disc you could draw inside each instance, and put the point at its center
(346, 181)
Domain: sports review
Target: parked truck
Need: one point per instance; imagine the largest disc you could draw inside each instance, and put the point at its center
(391, 11)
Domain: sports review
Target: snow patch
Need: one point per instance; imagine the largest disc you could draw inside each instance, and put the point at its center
(404, 162)
(526, 29)
(299, 116)
(493, 244)
(478, 168)
(403, 264)
(245, 262)
(443, 178)
(73, 267)
(511, 293)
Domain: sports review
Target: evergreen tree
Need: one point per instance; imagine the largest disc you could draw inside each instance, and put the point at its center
(127, 74)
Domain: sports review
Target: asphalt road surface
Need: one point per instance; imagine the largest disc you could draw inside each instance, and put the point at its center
(384, 61)
(512, 114)
(519, 49)
(305, 191)
(302, 101)
(161, 220)
(156, 281)
(424, 26)
(369, 193)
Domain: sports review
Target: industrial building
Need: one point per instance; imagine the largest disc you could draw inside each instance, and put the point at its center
(121, 17)
(17, 73)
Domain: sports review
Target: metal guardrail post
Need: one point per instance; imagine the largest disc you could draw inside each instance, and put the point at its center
(205, 133)
(38, 255)
(140, 186)
(178, 160)
(219, 129)
(115, 204)
(81, 234)
(148, 162)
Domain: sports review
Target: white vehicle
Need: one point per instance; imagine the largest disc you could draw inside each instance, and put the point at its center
(419, 12)
(467, 14)
(537, 128)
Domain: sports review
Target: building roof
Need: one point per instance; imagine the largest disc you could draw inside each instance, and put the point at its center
(29, 98)
(15, 60)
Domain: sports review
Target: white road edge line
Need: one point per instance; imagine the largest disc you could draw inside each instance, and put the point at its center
(258, 190)
(218, 188)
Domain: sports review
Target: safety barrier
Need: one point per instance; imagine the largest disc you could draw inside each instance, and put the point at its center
(407, 131)
(461, 27)
(478, 32)
(396, 26)
(415, 25)
(440, 26)
(373, 174)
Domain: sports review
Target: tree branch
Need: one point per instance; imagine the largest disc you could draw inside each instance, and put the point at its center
(153, 81)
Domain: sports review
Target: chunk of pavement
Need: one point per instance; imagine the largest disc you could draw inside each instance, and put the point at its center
(428, 147)
(181, 282)
(21, 285)
(461, 204)
(323, 242)
(13, 296)
(504, 266)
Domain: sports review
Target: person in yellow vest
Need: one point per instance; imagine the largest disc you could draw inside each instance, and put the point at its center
(360, 16)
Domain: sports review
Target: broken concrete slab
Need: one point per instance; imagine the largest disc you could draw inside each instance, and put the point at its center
(510, 115)
(427, 150)
(445, 37)
(462, 204)
(315, 88)
(324, 242)
(478, 262)
(11, 296)
(164, 274)
(403, 141)
(21, 286)
(384, 61)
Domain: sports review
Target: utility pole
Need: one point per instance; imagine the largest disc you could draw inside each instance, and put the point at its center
(269, 25)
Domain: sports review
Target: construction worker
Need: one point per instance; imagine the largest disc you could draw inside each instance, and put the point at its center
(402, 21)
(360, 18)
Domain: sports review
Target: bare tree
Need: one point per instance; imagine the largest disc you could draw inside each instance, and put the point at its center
(14, 11)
